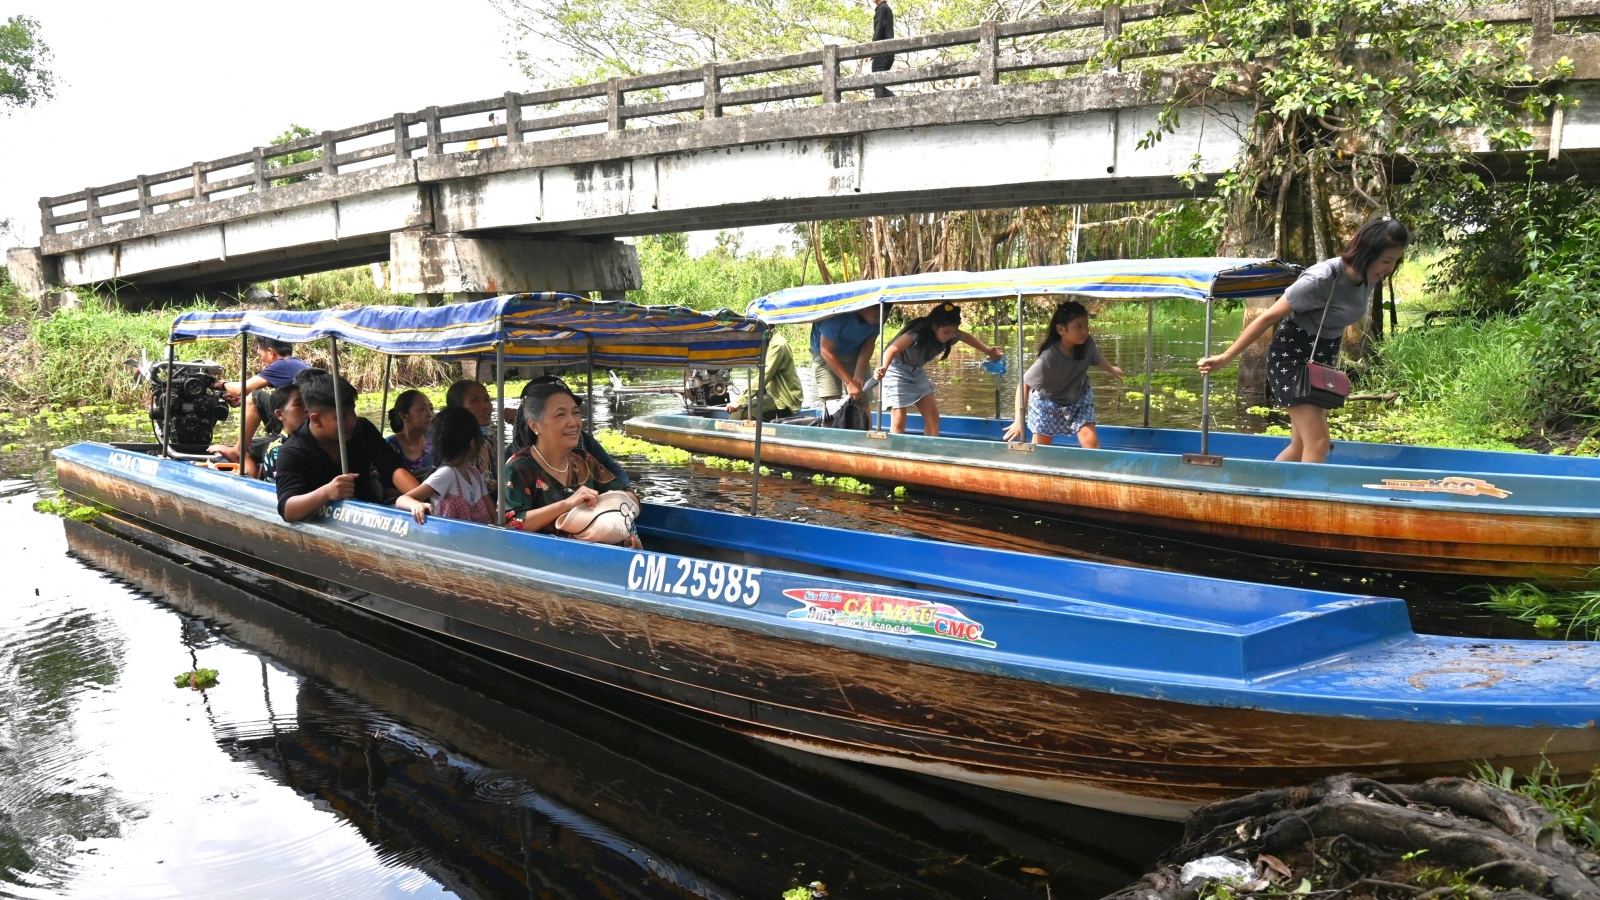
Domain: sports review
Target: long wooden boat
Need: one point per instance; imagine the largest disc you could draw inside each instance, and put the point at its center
(1466, 512)
(1137, 691)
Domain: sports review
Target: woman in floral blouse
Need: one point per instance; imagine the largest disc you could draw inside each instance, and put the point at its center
(553, 474)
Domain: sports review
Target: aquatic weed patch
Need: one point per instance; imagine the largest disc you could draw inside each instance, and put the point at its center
(618, 444)
(196, 679)
(60, 505)
(1548, 609)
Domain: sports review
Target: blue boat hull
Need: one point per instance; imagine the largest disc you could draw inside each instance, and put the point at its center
(1483, 514)
(1143, 692)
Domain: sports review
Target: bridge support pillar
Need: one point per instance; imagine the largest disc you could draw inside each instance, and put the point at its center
(422, 262)
(38, 277)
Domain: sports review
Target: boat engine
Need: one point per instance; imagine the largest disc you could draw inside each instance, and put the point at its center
(197, 406)
(707, 387)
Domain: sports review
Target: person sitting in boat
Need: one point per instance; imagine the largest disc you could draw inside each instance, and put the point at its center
(905, 380)
(841, 353)
(521, 437)
(309, 473)
(279, 366)
(552, 475)
(454, 490)
(473, 397)
(785, 396)
(288, 414)
(1310, 318)
(1055, 390)
(409, 419)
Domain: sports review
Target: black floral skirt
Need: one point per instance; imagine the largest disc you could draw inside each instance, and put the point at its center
(1290, 351)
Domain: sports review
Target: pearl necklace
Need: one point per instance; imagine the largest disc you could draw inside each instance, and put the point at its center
(561, 471)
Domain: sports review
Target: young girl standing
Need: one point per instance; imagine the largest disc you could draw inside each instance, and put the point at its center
(1055, 391)
(455, 490)
(905, 381)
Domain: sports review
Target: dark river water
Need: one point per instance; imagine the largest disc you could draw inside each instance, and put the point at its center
(343, 756)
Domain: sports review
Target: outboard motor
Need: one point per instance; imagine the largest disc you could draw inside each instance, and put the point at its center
(197, 406)
(707, 387)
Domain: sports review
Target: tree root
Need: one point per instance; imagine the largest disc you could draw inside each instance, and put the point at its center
(1354, 837)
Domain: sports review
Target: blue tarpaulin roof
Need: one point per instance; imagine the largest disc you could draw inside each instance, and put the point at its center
(538, 329)
(1109, 279)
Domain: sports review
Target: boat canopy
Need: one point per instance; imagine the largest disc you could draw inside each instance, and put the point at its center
(1108, 279)
(537, 329)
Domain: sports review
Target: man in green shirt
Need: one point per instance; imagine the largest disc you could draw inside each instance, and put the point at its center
(784, 394)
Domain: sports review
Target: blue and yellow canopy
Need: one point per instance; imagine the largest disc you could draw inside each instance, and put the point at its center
(1109, 279)
(538, 329)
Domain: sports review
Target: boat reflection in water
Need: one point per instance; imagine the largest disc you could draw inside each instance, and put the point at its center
(497, 784)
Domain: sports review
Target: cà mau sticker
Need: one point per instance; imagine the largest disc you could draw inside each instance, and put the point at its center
(888, 615)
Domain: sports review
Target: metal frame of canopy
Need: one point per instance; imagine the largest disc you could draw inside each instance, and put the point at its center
(1116, 280)
(534, 323)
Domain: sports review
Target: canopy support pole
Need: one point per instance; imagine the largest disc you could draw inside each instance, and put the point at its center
(500, 432)
(244, 395)
(1149, 357)
(1204, 457)
(1022, 414)
(383, 411)
(338, 409)
(588, 403)
(876, 414)
(760, 408)
(994, 341)
(166, 414)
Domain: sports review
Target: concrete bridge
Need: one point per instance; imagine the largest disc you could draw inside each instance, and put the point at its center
(535, 199)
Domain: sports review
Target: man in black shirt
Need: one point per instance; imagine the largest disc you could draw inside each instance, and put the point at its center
(882, 30)
(308, 464)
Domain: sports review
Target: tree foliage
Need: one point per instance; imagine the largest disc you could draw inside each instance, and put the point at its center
(577, 41)
(293, 133)
(25, 76)
(1343, 95)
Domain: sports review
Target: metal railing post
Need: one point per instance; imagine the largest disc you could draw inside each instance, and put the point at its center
(338, 409)
(760, 407)
(244, 396)
(1149, 357)
(166, 413)
(500, 433)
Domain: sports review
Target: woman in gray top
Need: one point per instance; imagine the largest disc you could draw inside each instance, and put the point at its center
(1311, 317)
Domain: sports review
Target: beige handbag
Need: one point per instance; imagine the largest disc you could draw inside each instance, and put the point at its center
(609, 521)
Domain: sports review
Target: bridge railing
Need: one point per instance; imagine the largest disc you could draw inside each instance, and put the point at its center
(406, 134)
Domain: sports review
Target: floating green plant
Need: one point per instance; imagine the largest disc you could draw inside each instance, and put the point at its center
(196, 679)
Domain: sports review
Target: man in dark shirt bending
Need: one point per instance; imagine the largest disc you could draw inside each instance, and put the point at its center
(882, 30)
(309, 477)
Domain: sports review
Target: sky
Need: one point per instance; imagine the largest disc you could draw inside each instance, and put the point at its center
(154, 85)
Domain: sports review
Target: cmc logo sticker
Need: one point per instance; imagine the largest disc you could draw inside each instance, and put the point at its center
(1454, 484)
(890, 615)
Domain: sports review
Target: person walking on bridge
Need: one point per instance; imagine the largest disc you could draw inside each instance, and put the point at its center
(882, 30)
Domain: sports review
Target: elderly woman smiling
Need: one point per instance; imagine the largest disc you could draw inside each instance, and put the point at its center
(553, 474)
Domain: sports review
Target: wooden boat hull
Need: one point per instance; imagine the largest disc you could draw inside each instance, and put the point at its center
(1092, 736)
(1401, 528)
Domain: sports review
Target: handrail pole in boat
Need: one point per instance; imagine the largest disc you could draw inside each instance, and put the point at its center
(383, 411)
(876, 416)
(1205, 388)
(244, 395)
(760, 410)
(994, 341)
(338, 409)
(166, 413)
(588, 402)
(500, 432)
(1149, 357)
(1022, 414)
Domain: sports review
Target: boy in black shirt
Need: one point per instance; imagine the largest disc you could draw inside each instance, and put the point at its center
(308, 464)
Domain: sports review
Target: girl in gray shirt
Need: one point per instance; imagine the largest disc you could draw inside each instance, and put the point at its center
(905, 381)
(1055, 391)
(1310, 318)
